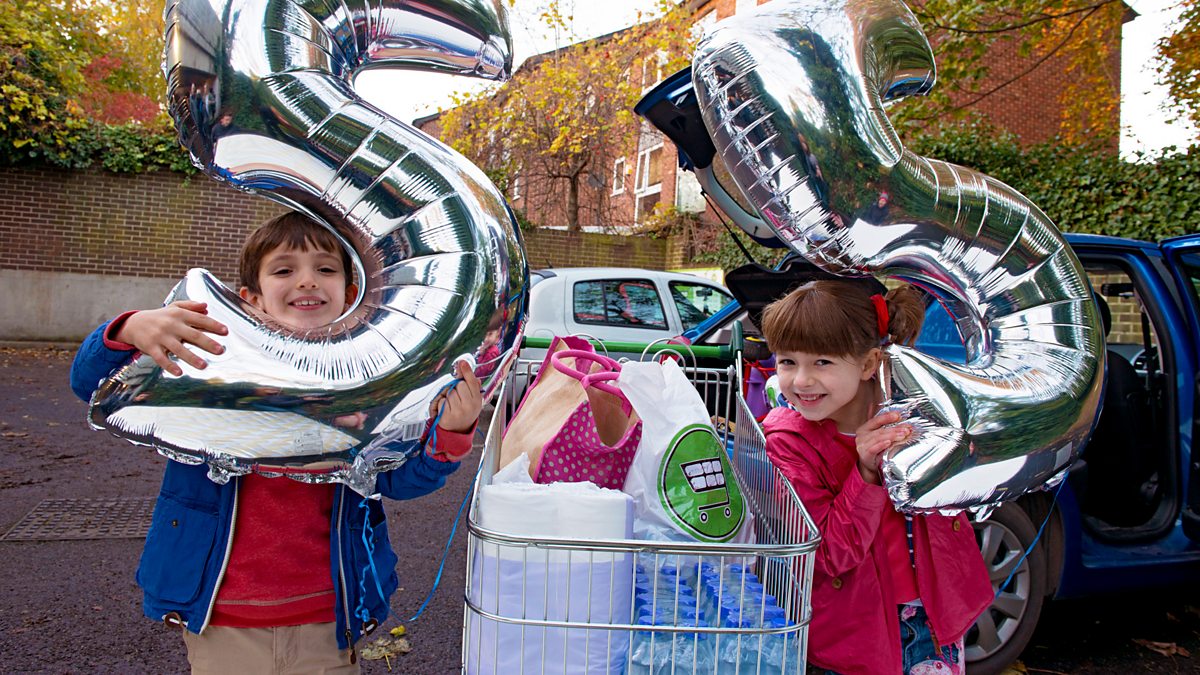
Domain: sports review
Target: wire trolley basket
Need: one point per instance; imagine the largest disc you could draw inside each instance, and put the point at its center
(538, 604)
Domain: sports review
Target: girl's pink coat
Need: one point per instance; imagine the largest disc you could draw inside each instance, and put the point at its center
(855, 627)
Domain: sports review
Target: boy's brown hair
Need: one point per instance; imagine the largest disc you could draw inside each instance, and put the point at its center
(839, 318)
(292, 230)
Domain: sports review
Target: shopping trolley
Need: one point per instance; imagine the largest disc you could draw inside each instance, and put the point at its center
(558, 605)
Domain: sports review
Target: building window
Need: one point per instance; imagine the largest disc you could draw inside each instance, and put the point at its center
(618, 177)
(649, 173)
(648, 182)
(744, 6)
(652, 68)
(515, 189)
(703, 23)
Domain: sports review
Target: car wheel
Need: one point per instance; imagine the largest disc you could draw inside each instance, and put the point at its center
(1002, 631)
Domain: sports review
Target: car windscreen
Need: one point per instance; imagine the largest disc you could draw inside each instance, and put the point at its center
(696, 302)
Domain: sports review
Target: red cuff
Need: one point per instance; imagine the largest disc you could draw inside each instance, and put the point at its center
(858, 491)
(114, 327)
(452, 446)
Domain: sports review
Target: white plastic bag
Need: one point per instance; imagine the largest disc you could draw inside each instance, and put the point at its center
(681, 481)
(519, 582)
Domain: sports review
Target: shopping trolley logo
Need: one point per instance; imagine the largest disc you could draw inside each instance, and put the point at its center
(697, 485)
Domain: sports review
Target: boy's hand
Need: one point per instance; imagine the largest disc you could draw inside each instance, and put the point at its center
(168, 330)
(872, 439)
(461, 406)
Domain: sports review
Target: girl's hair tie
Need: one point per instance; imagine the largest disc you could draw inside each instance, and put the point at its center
(881, 315)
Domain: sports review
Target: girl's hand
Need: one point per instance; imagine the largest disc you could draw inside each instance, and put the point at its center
(461, 406)
(872, 439)
(160, 333)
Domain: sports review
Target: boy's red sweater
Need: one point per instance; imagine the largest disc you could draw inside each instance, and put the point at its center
(279, 569)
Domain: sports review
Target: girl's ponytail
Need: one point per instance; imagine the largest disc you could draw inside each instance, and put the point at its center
(906, 313)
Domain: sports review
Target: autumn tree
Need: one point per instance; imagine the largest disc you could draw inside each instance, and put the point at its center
(556, 128)
(65, 64)
(1079, 36)
(126, 84)
(1178, 62)
(43, 50)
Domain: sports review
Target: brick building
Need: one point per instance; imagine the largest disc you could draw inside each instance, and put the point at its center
(639, 178)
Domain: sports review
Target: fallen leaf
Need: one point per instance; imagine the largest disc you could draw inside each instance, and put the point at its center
(385, 647)
(398, 631)
(1164, 648)
(14, 434)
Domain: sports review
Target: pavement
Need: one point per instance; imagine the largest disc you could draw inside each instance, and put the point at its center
(74, 607)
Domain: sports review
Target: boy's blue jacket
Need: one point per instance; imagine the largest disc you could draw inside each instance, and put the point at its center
(190, 533)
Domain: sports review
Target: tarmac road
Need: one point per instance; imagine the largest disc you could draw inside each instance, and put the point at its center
(73, 606)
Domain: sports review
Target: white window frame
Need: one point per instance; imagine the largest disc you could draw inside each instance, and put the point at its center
(515, 188)
(618, 179)
(643, 174)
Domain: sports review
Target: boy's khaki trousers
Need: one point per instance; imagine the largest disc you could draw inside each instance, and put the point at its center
(310, 648)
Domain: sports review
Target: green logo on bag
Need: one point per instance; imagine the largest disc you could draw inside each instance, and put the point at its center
(697, 486)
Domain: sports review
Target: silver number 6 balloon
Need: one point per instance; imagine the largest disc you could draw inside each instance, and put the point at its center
(793, 97)
(440, 260)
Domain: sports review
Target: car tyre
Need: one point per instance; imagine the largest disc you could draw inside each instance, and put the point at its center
(1006, 626)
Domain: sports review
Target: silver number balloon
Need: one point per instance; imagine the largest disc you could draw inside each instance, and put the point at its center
(440, 258)
(793, 97)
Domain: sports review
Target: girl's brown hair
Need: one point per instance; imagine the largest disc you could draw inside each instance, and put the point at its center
(292, 230)
(839, 318)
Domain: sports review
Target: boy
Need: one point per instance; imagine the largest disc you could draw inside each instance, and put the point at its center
(264, 574)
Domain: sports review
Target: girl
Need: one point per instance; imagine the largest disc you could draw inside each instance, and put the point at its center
(891, 593)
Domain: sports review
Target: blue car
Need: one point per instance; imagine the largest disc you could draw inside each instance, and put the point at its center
(1128, 515)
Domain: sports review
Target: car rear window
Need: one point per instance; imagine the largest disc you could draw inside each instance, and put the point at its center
(631, 303)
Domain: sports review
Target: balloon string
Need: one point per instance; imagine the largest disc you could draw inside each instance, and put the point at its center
(1049, 512)
(437, 580)
(431, 440)
(369, 544)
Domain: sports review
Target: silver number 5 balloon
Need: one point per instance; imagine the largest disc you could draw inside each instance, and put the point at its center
(793, 97)
(261, 94)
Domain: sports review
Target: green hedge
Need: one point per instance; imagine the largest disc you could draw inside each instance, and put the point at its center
(128, 148)
(1084, 189)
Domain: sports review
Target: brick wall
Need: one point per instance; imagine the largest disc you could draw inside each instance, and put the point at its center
(556, 248)
(161, 224)
(1126, 312)
(148, 225)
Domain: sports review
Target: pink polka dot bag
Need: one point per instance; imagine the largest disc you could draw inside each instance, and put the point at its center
(574, 423)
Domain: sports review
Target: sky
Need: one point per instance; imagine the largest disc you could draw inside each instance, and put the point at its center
(1142, 118)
